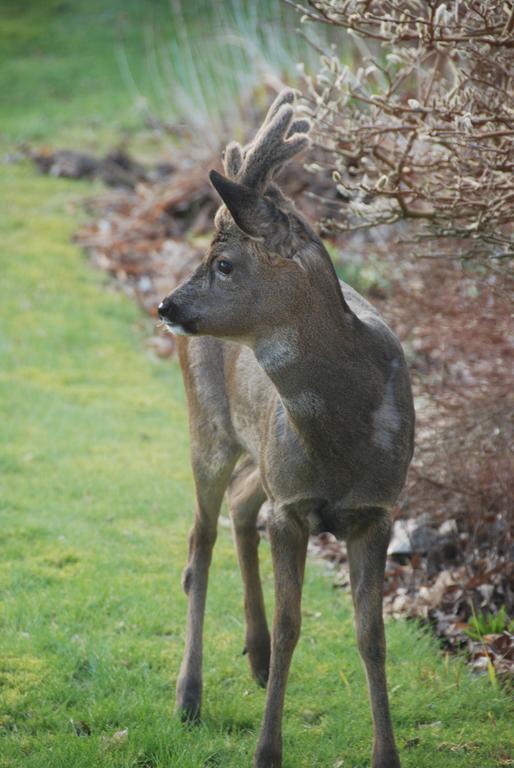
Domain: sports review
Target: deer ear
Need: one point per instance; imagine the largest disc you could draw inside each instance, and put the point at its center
(253, 214)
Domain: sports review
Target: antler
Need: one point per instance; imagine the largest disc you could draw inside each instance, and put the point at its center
(278, 139)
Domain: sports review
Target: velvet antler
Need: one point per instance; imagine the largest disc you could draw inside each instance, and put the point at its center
(278, 140)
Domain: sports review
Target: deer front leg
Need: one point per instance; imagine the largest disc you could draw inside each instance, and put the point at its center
(288, 537)
(367, 555)
(210, 487)
(246, 495)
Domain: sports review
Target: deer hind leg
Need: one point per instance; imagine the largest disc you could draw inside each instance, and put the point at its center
(212, 472)
(246, 496)
(289, 535)
(367, 550)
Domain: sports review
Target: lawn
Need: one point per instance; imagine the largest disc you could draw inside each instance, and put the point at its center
(95, 506)
(69, 69)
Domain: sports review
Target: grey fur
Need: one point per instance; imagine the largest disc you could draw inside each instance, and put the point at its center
(252, 168)
(278, 140)
(233, 159)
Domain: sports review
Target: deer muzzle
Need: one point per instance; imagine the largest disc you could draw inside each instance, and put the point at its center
(175, 319)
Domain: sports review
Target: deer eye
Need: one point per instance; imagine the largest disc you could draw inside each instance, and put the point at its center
(224, 266)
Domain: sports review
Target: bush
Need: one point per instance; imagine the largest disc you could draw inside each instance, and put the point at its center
(422, 130)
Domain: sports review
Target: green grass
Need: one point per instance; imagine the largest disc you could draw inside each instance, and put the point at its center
(70, 70)
(95, 496)
(60, 73)
(95, 500)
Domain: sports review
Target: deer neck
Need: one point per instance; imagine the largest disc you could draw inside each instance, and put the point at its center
(306, 363)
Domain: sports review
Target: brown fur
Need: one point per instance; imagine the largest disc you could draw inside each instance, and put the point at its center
(298, 392)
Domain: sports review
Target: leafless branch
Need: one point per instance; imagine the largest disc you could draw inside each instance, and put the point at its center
(424, 128)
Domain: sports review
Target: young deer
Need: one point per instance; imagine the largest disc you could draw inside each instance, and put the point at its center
(298, 393)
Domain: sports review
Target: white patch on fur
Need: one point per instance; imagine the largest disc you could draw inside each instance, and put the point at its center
(281, 422)
(279, 351)
(386, 418)
(175, 329)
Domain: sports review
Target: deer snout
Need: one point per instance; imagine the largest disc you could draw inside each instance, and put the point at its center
(175, 319)
(167, 309)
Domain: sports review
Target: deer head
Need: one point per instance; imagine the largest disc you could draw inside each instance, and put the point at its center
(257, 268)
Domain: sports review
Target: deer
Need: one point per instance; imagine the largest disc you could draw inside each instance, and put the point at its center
(299, 394)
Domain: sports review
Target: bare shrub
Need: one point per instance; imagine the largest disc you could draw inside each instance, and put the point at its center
(422, 130)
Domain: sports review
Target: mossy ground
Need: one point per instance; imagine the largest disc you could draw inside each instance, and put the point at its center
(95, 505)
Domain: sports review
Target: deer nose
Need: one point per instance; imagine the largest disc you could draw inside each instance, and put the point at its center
(165, 308)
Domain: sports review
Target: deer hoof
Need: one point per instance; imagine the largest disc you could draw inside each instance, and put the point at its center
(267, 758)
(259, 658)
(260, 675)
(388, 759)
(188, 716)
(188, 702)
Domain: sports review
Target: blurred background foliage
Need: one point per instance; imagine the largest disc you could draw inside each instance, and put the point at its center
(128, 62)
